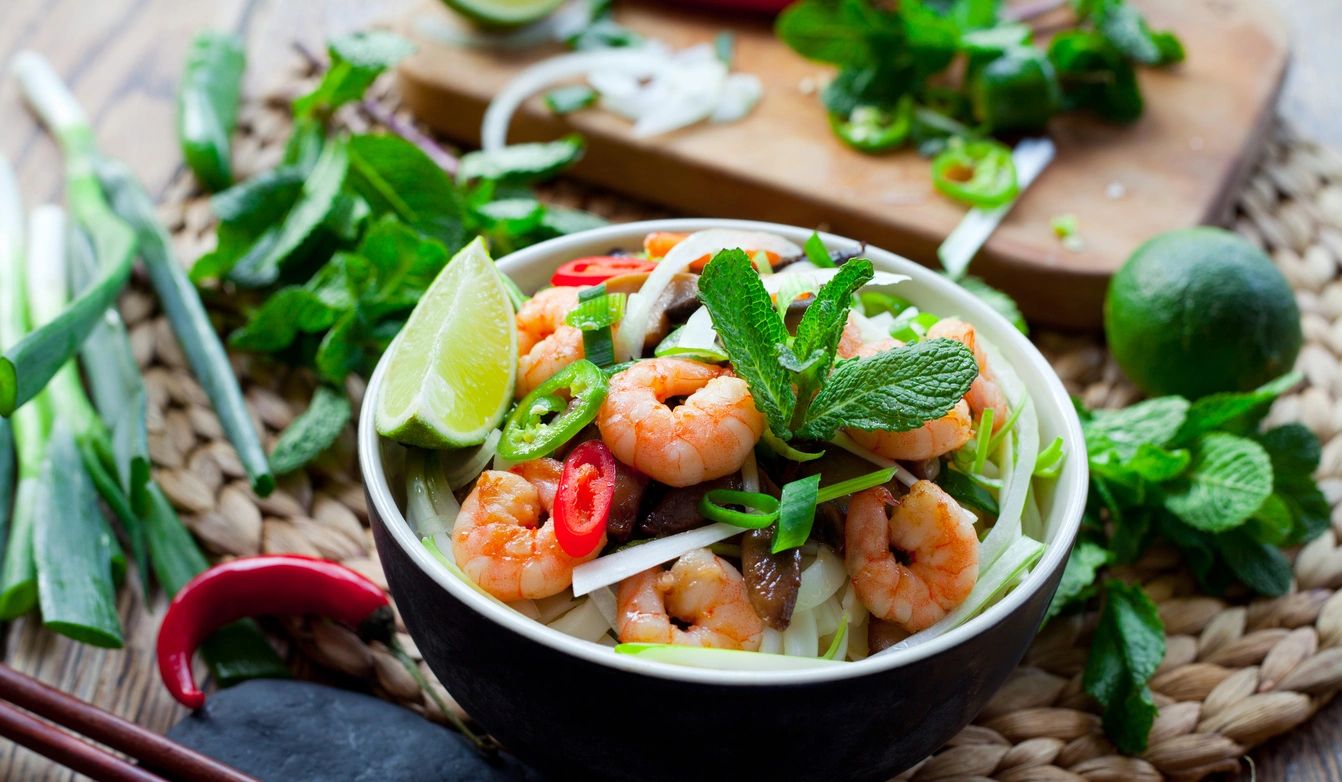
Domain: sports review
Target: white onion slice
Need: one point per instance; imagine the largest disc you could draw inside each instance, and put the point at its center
(637, 312)
(584, 621)
(817, 277)
(640, 63)
(1031, 156)
(681, 95)
(614, 568)
(868, 327)
(772, 642)
(740, 93)
(821, 579)
(431, 509)
(461, 474)
(604, 600)
(1020, 471)
(801, 638)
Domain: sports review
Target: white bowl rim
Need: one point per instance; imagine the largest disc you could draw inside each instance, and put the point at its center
(1069, 499)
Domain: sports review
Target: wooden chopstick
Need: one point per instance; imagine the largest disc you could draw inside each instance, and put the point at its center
(45, 739)
(155, 753)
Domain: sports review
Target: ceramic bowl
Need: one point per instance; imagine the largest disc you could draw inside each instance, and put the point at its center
(574, 709)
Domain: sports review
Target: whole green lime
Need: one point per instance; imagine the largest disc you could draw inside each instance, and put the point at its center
(1200, 310)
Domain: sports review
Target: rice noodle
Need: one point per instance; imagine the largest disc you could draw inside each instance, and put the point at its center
(821, 579)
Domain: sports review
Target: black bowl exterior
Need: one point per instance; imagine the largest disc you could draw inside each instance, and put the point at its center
(572, 718)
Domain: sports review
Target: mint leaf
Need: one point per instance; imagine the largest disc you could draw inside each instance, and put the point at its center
(829, 32)
(897, 390)
(1295, 453)
(396, 177)
(1228, 479)
(1221, 411)
(1128, 646)
(1154, 422)
(263, 263)
(520, 163)
(356, 60)
(1260, 566)
(246, 213)
(1157, 465)
(750, 331)
(1078, 577)
(822, 324)
(311, 433)
(1273, 522)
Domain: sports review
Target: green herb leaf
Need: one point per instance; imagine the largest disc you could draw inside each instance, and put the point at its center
(833, 32)
(520, 163)
(966, 490)
(750, 331)
(1122, 432)
(1260, 566)
(1228, 479)
(816, 252)
(1128, 646)
(312, 432)
(796, 512)
(396, 177)
(1095, 76)
(1225, 410)
(1295, 454)
(356, 60)
(247, 219)
(1078, 577)
(571, 98)
(822, 324)
(897, 390)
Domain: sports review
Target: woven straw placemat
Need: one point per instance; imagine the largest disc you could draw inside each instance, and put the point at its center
(1237, 670)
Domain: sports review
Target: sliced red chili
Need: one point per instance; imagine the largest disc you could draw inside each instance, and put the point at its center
(582, 503)
(598, 269)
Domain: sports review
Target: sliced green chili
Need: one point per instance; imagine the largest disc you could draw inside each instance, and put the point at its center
(978, 173)
(574, 396)
(873, 129)
(796, 512)
(763, 508)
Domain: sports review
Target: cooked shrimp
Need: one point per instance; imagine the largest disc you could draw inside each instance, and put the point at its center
(928, 441)
(708, 436)
(545, 344)
(702, 590)
(984, 393)
(500, 540)
(931, 534)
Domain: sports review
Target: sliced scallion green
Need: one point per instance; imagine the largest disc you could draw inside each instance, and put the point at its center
(597, 312)
(816, 251)
(786, 451)
(1050, 460)
(982, 441)
(762, 510)
(837, 641)
(796, 512)
(854, 485)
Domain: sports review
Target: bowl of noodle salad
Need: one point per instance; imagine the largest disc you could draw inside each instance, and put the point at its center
(762, 503)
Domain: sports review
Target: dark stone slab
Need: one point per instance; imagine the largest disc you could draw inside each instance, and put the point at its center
(293, 731)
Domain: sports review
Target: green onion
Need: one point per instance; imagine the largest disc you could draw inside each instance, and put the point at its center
(786, 451)
(1050, 460)
(74, 579)
(6, 474)
(996, 440)
(596, 313)
(28, 365)
(207, 106)
(796, 512)
(817, 253)
(204, 352)
(855, 485)
(763, 508)
(982, 441)
(911, 325)
(837, 641)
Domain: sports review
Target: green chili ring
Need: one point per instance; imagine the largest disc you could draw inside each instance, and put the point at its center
(713, 506)
(527, 435)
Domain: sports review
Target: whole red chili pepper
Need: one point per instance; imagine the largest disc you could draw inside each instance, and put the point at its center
(282, 585)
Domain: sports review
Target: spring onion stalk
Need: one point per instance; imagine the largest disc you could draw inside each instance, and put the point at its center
(48, 296)
(475, 461)
(29, 364)
(75, 586)
(181, 303)
(614, 568)
(1050, 460)
(855, 485)
(982, 441)
(7, 476)
(721, 659)
(31, 423)
(992, 584)
(838, 646)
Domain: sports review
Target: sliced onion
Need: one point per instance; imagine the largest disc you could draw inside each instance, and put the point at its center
(584, 621)
(740, 93)
(641, 63)
(801, 638)
(772, 642)
(750, 474)
(604, 600)
(555, 606)
(473, 462)
(869, 329)
(679, 96)
(821, 579)
(527, 608)
(430, 506)
(614, 568)
(1024, 450)
(816, 278)
(638, 311)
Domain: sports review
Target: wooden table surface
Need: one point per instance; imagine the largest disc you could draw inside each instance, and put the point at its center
(123, 58)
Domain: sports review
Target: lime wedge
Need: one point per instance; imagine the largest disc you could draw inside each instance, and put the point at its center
(504, 13)
(449, 378)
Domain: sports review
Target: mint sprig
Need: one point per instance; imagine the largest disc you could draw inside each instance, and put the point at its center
(790, 377)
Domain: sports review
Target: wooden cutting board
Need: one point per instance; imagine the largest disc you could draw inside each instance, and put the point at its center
(1177, 166)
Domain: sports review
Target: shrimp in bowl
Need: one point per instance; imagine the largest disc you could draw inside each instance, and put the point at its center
(719, 590)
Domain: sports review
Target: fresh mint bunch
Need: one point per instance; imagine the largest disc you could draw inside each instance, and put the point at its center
(790, 376)
(1201, 476)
